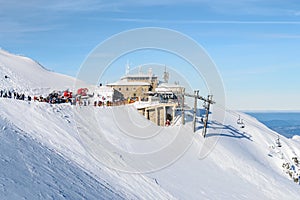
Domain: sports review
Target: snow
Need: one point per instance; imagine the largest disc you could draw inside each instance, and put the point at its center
(27, 76)
(33, 171)
(129, 83)
(60, 151)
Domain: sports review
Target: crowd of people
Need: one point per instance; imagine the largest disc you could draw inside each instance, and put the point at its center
(292, 170)
(53, 98)
(14, 95)
(58, 97)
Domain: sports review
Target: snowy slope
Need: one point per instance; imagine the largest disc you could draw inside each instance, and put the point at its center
(25, 75)
(244, 163)
(241, 166)
(54, 126)
(32, 171)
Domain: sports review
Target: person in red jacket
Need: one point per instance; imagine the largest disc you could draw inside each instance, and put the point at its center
(168, 123)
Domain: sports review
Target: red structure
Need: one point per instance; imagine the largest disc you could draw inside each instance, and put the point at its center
(82, 91)
(67, 94)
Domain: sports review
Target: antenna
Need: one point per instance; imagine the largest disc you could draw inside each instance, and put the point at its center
(127, 69)
(150, 73)
(166, 75)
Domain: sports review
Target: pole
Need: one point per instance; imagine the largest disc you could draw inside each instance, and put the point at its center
(182, 110)
(196, 92)
(209, 101)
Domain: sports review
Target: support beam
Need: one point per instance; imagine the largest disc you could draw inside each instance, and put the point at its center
(209, 101)
(182, 111)
(165, 115)
(156, 116)
(196, 93)
(173, 114)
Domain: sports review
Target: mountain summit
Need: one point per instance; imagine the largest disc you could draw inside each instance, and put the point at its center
(44, 154)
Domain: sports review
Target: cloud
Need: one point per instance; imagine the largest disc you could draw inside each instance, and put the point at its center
(219, 7)
(85, 6)
(195, 21)
(35, 16)
(282, 36)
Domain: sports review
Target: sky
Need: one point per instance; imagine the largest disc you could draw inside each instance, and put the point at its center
(255, 44)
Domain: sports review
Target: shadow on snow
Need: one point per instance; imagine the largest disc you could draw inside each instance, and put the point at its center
(225, 131)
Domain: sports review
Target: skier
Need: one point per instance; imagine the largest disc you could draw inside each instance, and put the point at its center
(293, 168)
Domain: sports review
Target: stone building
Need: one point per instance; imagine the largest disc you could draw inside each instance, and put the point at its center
(158, 113)
(136, 85)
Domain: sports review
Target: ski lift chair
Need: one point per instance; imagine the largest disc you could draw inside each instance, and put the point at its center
(278, 142)
(239, 120)
(242, 124)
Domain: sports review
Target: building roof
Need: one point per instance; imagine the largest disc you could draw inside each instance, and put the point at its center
(169, 85)
(124, 83)
(103, 89)
(139, 76)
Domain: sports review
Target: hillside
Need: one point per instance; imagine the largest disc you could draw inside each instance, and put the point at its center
(67, 152)
(27, 76)
(30, 170)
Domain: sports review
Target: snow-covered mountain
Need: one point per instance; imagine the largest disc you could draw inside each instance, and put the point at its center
(26, 75)
(44, 153)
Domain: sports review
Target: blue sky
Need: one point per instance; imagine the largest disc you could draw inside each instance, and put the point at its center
(254, 43)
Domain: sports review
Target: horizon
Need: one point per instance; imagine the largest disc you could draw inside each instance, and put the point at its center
(254, 44)
(296, 111)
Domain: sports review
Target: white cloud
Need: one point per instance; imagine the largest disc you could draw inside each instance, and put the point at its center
(195, 21)
(282, 36)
